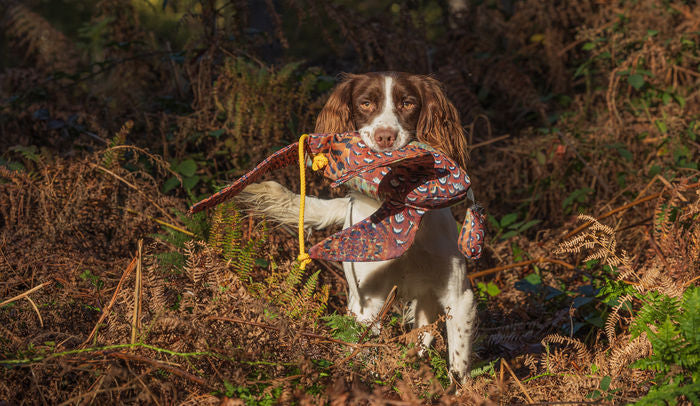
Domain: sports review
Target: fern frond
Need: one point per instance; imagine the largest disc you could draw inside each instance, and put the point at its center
(321, 299)
(40, 40)
(111, 156)
(581, 351)
(623, 356)
(614, 317)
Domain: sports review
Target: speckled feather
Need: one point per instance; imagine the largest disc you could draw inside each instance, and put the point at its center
(410, 181)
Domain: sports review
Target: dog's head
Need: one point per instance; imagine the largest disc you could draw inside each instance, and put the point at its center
(390, 109)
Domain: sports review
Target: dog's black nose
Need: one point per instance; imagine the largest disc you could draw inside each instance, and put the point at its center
(385, 137)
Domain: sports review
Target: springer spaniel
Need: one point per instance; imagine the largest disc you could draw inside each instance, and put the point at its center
(389, 110)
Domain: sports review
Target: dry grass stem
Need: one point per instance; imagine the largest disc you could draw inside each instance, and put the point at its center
(107, 309)
(134, 187)
(136, 321)
(36, 309)
(520, 384)
(21, 295)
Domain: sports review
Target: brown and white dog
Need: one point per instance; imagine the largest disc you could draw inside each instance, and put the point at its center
(389, 110)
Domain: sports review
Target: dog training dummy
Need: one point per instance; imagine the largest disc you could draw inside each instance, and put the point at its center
(409, 181)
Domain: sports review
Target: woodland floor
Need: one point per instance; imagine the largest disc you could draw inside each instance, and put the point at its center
(110, 294)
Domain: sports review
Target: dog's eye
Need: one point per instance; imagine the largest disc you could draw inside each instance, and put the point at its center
(365, 105)
(407, 105)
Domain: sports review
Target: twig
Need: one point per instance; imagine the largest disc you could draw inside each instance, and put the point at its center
(177, 371)
(518, 264)
(38, 388)
(161, 222)
(97, 384)
(94, 393)
(500, 375)
(610, 213)
(487, 142)
(304, 333)
(623, 207)
(154, 158)
(276, 380)
(418, 330)
(136, 321)
(637, 224)
(36, 309)
(685, 70)
(107, 348)
(106, 310)
(572, 45)
(145, 387)
(522, 388)
(385, 309)
(690, 282)
(21, 295)
(134, 187)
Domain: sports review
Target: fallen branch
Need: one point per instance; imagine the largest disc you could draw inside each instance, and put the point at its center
(518, 264)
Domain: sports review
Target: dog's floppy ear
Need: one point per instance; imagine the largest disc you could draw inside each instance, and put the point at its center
(336, 115)
(439, 125)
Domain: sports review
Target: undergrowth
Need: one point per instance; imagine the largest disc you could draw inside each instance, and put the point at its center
(583, 118)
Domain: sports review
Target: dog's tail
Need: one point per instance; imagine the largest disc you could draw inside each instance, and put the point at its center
(282, 205)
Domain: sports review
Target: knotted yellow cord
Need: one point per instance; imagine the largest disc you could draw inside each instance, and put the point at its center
(319, 162)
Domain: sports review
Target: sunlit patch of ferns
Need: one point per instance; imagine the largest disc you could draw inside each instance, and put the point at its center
(285, 286)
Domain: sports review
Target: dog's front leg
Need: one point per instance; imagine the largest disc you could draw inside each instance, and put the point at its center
(427, 310)
(461, 326)
(366, 291)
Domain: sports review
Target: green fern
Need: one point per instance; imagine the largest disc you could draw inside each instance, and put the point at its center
(111, 156)
(669, 393)
(344, 327)
(673, 328)
(298, 296)
(304, 295)
(30, 153)
(227, 235)
(321, 298)
(174, 261)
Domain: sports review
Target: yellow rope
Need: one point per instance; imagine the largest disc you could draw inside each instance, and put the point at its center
(319, 162)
